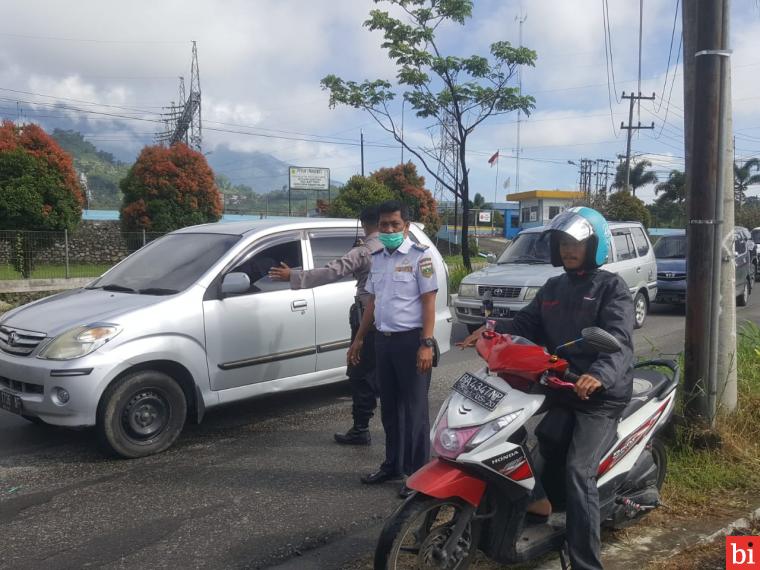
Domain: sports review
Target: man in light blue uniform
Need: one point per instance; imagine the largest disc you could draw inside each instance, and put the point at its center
(402, 286)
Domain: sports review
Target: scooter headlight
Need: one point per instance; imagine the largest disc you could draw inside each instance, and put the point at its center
(449, 442)
(492, 428)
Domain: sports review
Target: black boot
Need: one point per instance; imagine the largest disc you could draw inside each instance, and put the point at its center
(354, 436)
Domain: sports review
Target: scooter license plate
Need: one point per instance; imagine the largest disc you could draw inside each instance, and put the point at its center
(478, 391)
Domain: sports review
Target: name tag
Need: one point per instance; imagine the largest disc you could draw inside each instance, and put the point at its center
(404, 268)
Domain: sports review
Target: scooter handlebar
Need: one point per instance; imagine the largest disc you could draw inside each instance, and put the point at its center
(571, 376)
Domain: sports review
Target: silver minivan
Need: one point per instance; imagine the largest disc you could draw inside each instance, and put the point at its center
(525, 266)
(188, 322)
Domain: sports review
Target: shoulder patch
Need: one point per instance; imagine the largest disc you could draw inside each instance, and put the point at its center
(420, 247)
(426, 268)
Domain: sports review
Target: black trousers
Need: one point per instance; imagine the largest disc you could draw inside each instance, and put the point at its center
(363, 380)
(403, 401)
(572, 441)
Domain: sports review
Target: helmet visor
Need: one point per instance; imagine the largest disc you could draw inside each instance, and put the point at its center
(572, 224)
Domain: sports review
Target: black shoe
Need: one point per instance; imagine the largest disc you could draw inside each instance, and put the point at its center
(405, 492)
(381, 476)
(354, 436)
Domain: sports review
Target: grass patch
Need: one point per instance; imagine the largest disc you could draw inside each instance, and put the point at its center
(49, 271)
(698, 474)
(457, 270)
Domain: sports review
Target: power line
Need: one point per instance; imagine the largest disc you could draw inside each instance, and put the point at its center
(607, 61)
(670, 53)
(87, 40)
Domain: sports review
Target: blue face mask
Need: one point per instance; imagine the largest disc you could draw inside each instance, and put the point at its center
(391, 241)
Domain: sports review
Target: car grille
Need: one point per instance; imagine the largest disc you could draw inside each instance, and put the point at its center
(671, 276)
(18, 341)
(26, 387)
(500, 292)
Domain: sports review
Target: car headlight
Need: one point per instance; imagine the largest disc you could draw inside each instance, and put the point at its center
(79, 342)
(530, 292)
(468, 290)
(492, 428)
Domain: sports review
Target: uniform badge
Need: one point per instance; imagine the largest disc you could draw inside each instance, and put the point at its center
(426, 267)
(405, 267)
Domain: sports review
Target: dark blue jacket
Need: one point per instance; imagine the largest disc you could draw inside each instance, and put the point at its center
(564, 306)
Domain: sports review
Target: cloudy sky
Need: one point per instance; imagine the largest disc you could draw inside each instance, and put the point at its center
(108, 68)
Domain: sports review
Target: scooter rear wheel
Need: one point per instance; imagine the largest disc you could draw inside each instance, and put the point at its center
(413, 536)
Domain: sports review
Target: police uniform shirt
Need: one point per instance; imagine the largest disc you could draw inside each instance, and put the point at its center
(357, 262)
(397, 280)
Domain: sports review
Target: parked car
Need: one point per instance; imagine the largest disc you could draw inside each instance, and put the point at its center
(189, 322)
(525, 266)
(670, 252)
(746, 235)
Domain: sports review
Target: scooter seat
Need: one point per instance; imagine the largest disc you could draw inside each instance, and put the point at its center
(646, 384)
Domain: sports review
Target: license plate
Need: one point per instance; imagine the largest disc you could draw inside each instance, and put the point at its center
(10, 402)
(478, 391)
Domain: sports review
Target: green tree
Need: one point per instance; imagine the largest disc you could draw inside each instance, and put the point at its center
(358, 193)
(743, 179)
(451, 92)
(673, 189)
(623, 206)
(639, 177)
(169, 188)
(478, 201)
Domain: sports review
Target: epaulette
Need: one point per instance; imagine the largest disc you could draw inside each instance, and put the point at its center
(420, 246)
(359, 242)
(377, 251)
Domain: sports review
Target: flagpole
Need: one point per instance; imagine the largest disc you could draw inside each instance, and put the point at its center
(496, 184)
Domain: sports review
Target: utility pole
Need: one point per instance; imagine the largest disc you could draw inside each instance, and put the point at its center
(710, 341)
(361, 139)
(521, 19)
(630, 128)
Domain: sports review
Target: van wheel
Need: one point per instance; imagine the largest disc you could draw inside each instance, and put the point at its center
(743, 299)
(641, 308)
(140, 414)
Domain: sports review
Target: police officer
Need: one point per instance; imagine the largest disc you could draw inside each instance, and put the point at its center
(361, 375)
(403, 286)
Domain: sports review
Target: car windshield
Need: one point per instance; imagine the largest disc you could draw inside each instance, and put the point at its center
(670, 247)
(530, 247)
(168, 265)
(756, 236)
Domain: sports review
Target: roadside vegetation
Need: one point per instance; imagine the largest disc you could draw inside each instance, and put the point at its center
(727, 470)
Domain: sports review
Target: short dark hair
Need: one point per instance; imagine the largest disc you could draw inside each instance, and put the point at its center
(369, 215)
(392, 206)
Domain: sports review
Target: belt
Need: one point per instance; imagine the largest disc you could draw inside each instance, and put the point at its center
(396, 333)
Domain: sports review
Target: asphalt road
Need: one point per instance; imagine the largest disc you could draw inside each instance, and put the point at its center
(255, 485)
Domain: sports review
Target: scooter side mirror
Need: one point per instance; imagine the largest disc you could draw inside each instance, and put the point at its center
(600, 340)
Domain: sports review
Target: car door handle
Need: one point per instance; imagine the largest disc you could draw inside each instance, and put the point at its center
(638, 270)
(299, 305)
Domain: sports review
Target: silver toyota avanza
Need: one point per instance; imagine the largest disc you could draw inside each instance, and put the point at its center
(188, 322)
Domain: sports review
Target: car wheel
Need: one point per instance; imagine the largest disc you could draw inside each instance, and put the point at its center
(641, 308)
(140, 414)
(743, 299)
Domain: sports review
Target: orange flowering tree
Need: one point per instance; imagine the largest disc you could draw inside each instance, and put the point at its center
(39, 189)
(169, 188)
(409, 187)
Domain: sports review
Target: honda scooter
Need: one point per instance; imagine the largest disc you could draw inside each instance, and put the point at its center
(474, 494)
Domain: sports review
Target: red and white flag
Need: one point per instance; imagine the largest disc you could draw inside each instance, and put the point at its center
(494, 158)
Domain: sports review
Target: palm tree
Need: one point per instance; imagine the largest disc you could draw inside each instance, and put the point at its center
(478, 202)
(673, 189)
(743, 179)
(640, 176)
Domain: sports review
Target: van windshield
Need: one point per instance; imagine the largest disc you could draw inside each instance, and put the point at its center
(670, 247)
(530, 247)
(167, 265)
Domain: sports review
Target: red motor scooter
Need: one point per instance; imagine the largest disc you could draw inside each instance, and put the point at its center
(473, 495)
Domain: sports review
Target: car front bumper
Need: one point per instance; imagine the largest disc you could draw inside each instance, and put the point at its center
(469, 311)
(42, 386)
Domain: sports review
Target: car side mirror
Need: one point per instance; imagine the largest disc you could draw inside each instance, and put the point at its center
(235, 283)
(600, 340)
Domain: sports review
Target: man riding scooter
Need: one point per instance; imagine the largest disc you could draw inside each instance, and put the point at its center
(579, 426)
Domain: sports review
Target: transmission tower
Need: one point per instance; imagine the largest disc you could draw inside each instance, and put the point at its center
(183, 120)
(448, 164)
